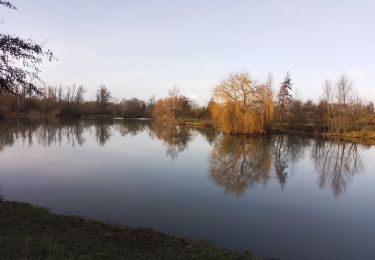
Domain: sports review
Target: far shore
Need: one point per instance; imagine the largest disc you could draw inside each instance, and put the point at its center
(366, 137)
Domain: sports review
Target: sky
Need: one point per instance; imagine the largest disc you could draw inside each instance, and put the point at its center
(145, 47)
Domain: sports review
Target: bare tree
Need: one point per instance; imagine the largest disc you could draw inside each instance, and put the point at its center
(343, 110)
(173, 95)
(344, 99)
(103, 96)
(328, 100)
(19, 61)
(79, 95)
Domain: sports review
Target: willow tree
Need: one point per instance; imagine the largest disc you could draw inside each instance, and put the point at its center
(242, 105)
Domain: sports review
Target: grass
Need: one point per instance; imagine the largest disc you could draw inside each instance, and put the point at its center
(195, 123)
(363, 136)
(29, 232)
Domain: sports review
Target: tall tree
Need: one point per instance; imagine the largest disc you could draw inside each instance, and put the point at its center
(284, 99)
(173, 95)
(103, 96)
(19, 61)
(242, 105)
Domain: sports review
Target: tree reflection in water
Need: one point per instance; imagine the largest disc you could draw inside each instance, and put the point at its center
(174, 137)
(287, 150)
(44, 132)
(57, 132)
(235, 162)
(103, 132)
(132, 127)
(210, 134)
(238, 162)
(336, 163)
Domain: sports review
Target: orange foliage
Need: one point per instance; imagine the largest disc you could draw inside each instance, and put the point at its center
(240, 105)
(163, 111)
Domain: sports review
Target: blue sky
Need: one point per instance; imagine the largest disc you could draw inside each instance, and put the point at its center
(144, 47)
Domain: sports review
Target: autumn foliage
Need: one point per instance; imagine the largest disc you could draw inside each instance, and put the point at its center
(172, 108)
(241, 105)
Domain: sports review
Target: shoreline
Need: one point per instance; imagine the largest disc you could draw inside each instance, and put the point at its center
(365, 137)
(31, 232)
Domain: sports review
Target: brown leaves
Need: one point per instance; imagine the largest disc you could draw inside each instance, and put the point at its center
(240, 105)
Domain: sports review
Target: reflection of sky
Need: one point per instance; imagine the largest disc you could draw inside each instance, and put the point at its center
(130, 180)
(140, 48)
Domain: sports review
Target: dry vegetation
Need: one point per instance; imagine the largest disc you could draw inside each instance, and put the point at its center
(240, 105)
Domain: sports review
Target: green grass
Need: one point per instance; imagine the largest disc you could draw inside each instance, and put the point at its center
(28, 232)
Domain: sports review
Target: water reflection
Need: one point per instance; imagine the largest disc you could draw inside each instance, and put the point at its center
(132, 127)
(103, 132)
(287, 150)
(336, 163)
(174, 137)
(235, 162)
(52, 131)
(44, 132)
(210, 134)
(238, 162)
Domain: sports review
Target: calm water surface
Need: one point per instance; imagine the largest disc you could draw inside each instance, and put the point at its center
(281, 196)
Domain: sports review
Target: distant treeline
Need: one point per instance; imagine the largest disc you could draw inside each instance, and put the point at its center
(70, 101)
(238, 105)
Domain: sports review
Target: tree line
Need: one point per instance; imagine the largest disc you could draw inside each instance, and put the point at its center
(70, 101)
(241, 105)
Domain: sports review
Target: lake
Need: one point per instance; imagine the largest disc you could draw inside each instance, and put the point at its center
(280, 196)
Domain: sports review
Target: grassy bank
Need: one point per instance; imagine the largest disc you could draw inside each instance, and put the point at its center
(28, 232)
(364, 137)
